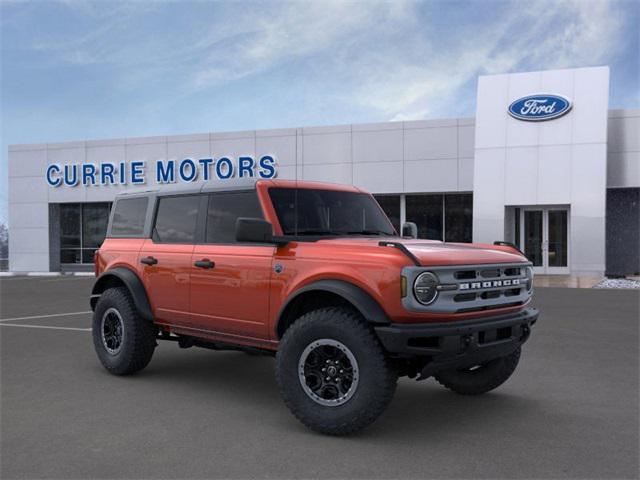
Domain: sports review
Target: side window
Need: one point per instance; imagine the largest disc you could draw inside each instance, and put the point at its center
(128, 217)
(176, 219)
(224, 210)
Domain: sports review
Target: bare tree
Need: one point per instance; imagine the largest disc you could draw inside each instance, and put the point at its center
(4, 241)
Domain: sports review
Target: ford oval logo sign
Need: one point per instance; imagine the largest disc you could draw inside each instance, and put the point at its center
(536, 108)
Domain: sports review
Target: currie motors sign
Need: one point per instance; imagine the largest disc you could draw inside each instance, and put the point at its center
(165, 171)
(540, 107)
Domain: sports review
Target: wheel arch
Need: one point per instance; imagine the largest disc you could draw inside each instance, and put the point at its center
(123, 277)
(323, 293)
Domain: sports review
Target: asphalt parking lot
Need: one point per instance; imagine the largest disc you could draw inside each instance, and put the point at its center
(570, 410)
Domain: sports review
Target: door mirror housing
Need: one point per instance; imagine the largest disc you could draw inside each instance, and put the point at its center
(409, 230)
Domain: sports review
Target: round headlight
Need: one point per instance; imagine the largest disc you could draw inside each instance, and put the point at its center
(425, 288)
(529, 273)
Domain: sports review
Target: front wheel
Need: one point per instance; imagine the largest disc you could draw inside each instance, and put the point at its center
(481, 378)
(124, 342)
(332, 372)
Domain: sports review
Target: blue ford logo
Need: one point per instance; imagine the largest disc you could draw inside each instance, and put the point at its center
(536, 108)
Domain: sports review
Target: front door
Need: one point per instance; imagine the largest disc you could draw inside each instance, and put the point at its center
(230, 281)
(544, 234)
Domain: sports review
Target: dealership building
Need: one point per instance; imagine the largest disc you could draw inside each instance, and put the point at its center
(544, 164)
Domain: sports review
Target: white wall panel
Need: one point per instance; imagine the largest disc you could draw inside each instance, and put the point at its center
(466, 141)
(431, 176)
(624, 134)
(28, 215)
(332, 173)
(379, 177)
(465, 174)
(29, 189)
(377, 146)
(326, 148)
(28, 240)
(27, 163)
(233, 147)
(623, 169)
(431, 143)
(554, 175)
(283, 149)
(521, 176)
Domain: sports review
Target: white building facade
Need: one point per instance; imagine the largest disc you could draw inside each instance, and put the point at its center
(565, 188)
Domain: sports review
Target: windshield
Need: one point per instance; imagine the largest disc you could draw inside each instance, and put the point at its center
(327, 212)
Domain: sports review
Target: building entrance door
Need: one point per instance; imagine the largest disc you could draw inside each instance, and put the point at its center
(544, 235)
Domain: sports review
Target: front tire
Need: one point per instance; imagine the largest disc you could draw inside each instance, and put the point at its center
(482, 378)
(332, 372)
(123, 341)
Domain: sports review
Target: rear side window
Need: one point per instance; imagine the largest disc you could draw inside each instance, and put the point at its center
(176, 219)
(224, 210)
(129, 216)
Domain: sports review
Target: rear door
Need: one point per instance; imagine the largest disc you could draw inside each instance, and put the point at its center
(165, 258)
(229, 280)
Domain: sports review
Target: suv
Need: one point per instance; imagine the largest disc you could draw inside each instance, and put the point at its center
(316, 275)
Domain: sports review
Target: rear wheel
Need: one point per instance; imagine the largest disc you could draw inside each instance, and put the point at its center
(124, 342)
(332, 372)
(481, 378)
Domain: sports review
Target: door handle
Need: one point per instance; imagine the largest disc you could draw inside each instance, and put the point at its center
(205, 263)
(149, 260)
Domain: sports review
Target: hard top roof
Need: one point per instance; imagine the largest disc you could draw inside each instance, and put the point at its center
(230, 185)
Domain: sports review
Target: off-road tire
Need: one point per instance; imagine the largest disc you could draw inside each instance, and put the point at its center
(377, 377)
(482, 379)
(138, 341)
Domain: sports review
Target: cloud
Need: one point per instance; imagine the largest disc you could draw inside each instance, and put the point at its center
(535, 35)
(401, 60)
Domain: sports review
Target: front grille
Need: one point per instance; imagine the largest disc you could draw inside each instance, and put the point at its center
(473, 287)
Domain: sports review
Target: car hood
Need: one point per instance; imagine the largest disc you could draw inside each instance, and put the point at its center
(434, 253)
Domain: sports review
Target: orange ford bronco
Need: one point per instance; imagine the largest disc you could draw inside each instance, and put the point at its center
(316, 275)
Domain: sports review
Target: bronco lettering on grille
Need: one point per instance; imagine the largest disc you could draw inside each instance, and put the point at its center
(489, 284)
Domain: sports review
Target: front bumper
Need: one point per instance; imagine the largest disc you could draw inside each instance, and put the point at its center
(456, 345)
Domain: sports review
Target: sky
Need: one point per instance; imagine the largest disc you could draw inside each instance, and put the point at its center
(76, 70)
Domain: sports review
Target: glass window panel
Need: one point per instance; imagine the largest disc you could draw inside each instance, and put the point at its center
(95, 218)
(558, 238)
(176, 219)
(224, 209)
(533, 236)
(70, 255)
(87, 255)
(426, 212)
(458, 210)
(328, 212)
(391, 206)
(69, 225)
(129, 217)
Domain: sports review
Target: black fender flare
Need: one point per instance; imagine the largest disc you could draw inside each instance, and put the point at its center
(368, 307)
(133, 284)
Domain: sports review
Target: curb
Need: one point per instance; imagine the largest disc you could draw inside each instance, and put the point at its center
(47, 274)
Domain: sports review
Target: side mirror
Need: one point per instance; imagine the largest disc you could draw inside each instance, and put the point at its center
(409, 230)
(253, 230)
